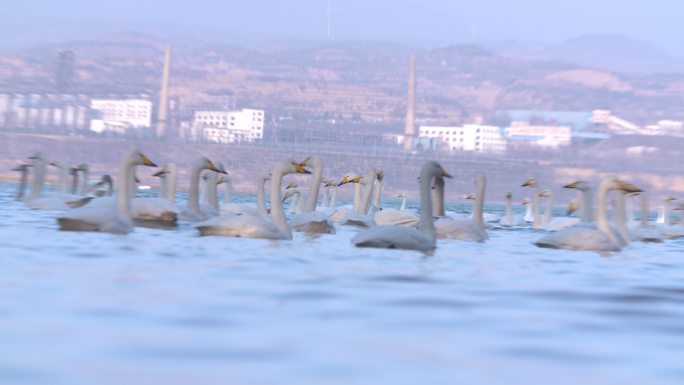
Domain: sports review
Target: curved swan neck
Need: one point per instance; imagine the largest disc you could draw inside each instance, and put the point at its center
(212, 190)
(376, 195)
(228, 191)
(123, 197)
(479, 201)
(21, 191)
(333, 199)
(602, 214)
(164, 187)
(317, 178)
(644, 209)
(509, 209)
(171, 183)
(536, 208)
(619, 218)
(193, 194)
(277, 213)
(357, 197)
(426, 224)
(370, 184)
(84, 181)
(437, 198)
(261, 199)
(326, 197)
(38, 178)
(63, 183)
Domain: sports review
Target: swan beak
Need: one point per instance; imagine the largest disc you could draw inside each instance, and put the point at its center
(213, 167)
(136, 179)
(291, 185)
(55, 163)
(571, 185)
(305, 162)
(446, 174)
(146, 161)
(530, 182)
(344, 180)
(628, 187)
(162, 171)
(299, 167)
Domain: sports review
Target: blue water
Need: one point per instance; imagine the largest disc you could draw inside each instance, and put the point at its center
(168, 307)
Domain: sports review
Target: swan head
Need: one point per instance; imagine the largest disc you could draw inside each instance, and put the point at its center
(509, 195)
(380, 175)
(470, 196)
(572, 207)
(299, 167)
(289, 194)
(578, 185)
(544, 194)
(21, 167)
(669, 198)
(525, 201)
(329, 183)
(206, 164)
(162, 172)
(291, 186)
(532, 182)
(350, 178)
(36, 156)
(628, 187)
(401, 195)
(55, 163)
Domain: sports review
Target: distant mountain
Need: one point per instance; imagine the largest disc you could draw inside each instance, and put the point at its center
(608, 52)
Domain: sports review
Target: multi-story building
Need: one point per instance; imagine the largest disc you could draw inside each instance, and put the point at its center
(541, 135)
(119, 115)
(245, 125)
(470, 137)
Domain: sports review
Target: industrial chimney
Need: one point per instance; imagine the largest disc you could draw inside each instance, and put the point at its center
(410, 130)
(164, 94)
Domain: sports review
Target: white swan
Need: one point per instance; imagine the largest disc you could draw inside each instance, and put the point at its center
(193, 212)
(537, 222)
(602, 237)
(309, 220)
(401, 237)
(584, 199)
(159, 210)
(509, 219)
(256, 226)
(529, 217)
(360, 217)
(466, 229)
(664, 212)
(339, 213)
(399, 217)
(645, 232)
(552, 223)
(38, 200)
(114, 217)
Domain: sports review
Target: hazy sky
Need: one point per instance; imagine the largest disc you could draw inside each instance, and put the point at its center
(433, 21)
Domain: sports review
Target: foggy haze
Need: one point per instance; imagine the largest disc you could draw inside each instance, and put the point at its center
(409, 21)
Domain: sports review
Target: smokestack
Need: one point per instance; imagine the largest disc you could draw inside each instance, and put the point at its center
(410, 130)
(164, 93)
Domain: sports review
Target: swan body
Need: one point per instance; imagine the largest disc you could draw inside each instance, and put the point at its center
(193, 211)
(108, 215)
(466, 229)
(407, 238)
(396, 217)
(509, 219)
(601, 237)
(309, 220)
(250, 226)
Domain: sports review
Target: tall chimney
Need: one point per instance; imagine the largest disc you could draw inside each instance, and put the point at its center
(164, 93)
(410, 130)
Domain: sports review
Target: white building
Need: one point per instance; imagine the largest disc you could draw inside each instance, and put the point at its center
(470, 137)
(119, 115)
(541, 135)
(245, 125)
(666, 127)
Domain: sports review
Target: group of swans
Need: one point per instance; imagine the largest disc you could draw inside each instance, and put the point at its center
(379, 225)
